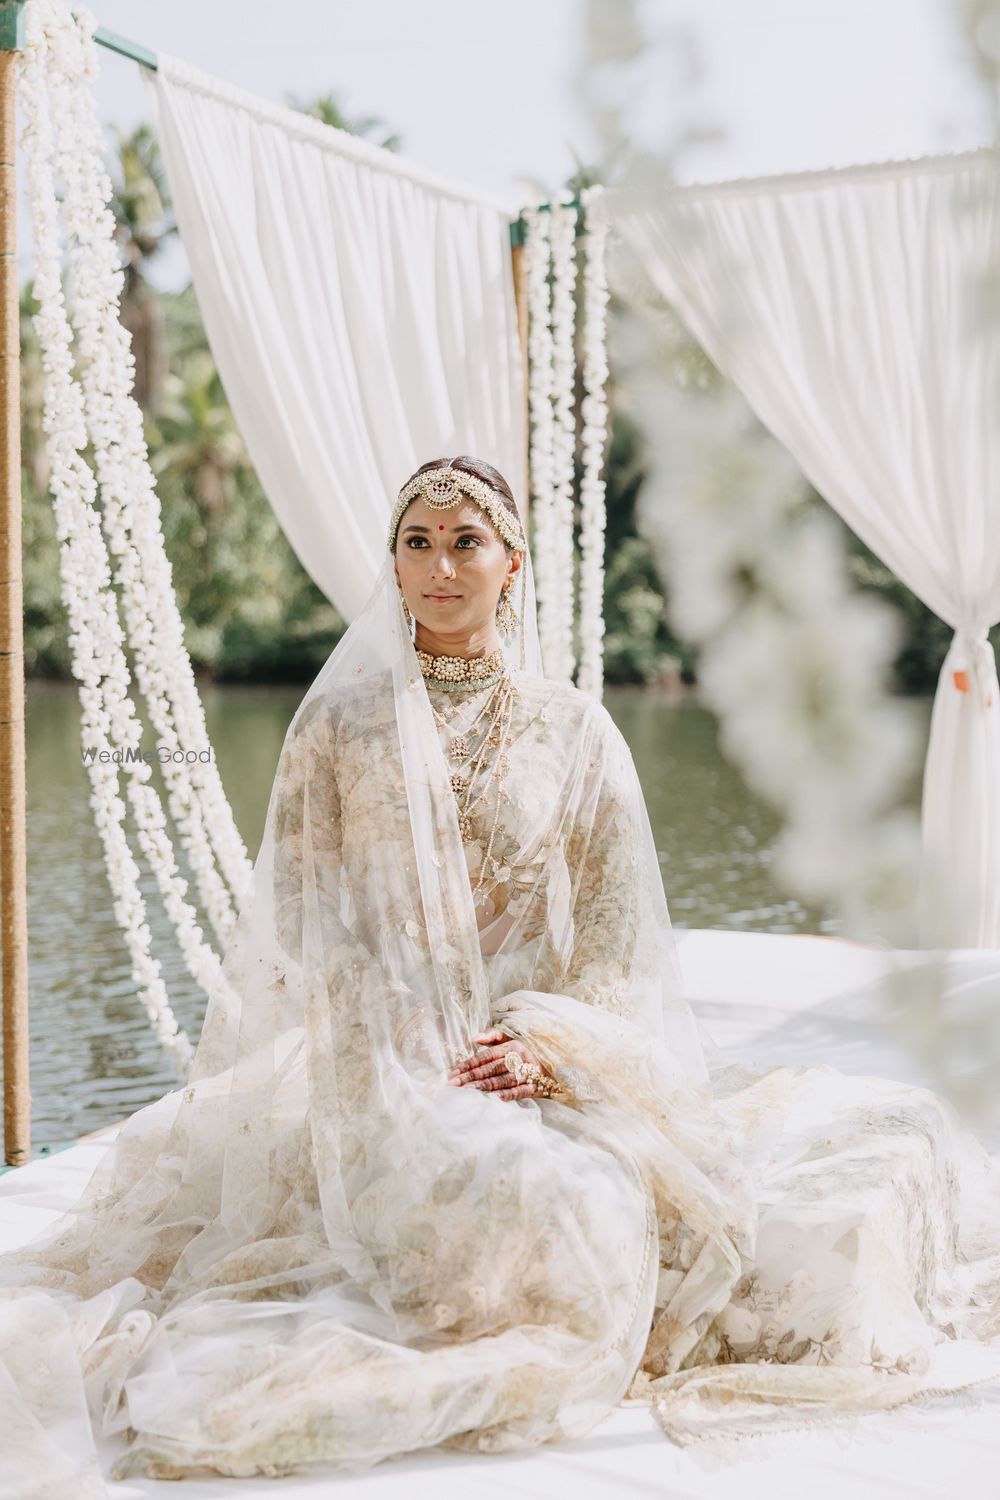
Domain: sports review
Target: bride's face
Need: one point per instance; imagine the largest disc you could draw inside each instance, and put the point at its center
(451, 567)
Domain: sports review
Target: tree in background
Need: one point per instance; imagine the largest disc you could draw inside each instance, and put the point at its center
(328, 109)
(145, 224)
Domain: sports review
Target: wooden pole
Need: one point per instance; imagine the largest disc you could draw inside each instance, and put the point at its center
(13, 843)
(521, 305)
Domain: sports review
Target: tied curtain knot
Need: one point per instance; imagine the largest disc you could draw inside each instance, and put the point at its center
(972, 648)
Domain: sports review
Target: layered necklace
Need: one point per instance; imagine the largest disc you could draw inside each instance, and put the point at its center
(477, 748)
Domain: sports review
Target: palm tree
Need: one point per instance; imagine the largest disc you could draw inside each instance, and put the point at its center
(327, 108)
(144, 216)
(200, 444)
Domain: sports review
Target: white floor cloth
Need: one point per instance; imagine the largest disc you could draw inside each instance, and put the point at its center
(360, 311)
(778, 997)
(857, 311)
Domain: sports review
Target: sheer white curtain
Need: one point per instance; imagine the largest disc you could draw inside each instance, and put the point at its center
(361, 314)
(853, 309)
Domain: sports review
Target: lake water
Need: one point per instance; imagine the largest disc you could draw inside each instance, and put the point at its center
(94, 1058)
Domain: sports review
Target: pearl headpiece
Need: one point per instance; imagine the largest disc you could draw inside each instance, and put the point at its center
(441, 489)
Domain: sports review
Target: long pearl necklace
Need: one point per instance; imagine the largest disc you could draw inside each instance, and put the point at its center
(476, 771)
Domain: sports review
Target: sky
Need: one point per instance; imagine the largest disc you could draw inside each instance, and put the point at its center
(486, 94)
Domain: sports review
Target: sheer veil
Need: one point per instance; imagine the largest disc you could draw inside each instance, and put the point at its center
(282, 1193)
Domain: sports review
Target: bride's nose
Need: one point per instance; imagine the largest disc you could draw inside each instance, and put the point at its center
(443, 569)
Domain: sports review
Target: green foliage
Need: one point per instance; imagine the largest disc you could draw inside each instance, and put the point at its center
(918, 663)
(46, 629)
(638, 644)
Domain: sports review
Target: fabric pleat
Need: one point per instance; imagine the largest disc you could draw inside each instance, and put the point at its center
(360, 312)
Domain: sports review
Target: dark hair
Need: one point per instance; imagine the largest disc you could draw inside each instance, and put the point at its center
(479, 470)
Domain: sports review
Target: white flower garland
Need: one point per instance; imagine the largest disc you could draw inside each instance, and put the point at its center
(54, 68)
(593, 441)
(551, 274)
(129, 504)
(537, 265)
(95, 633)
(560, 661)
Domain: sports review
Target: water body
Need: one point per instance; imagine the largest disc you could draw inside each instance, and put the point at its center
(93, 1055)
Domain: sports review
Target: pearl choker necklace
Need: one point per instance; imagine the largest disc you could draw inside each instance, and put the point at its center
(460, 673)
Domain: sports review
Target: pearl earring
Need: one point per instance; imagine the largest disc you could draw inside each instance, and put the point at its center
(506, 613)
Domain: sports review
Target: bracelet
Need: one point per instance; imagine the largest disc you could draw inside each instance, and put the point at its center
(529, 1072)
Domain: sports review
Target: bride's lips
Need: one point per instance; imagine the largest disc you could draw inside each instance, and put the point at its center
(442, 598)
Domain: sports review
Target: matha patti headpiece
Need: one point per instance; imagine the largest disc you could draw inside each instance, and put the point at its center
(441, 489)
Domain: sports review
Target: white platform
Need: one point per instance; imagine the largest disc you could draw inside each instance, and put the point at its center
(771, 998)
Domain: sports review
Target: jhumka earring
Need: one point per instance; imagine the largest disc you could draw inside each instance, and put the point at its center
(507, 616)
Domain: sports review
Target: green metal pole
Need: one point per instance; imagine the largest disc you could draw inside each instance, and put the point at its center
(125, 48)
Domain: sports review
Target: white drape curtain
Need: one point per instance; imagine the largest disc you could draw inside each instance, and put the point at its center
(852, 308)
(361, 314)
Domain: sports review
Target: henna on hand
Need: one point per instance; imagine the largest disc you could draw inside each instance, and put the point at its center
(486, 1069)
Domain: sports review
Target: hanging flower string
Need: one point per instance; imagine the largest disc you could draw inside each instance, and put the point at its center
(593, 441)
(551, 275)
(561, 662)
(129, 506)
(56, 63)
(538, 262)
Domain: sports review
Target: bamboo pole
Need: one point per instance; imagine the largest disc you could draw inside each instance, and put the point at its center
(13, 843)
(521, 305)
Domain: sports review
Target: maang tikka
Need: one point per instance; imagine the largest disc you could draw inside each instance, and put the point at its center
(443, 488)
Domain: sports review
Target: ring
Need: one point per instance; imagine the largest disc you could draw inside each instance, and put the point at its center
(515, 1064)
(529, 1072)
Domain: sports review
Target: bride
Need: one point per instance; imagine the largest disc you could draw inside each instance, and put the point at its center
(451, 1168)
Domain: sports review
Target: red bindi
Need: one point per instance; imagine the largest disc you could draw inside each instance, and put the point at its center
(440, 528)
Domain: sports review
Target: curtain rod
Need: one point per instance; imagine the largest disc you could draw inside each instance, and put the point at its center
(137, 53)
(125, 48)
(133, 50)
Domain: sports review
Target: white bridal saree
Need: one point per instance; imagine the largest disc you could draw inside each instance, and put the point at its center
(319, 1253)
